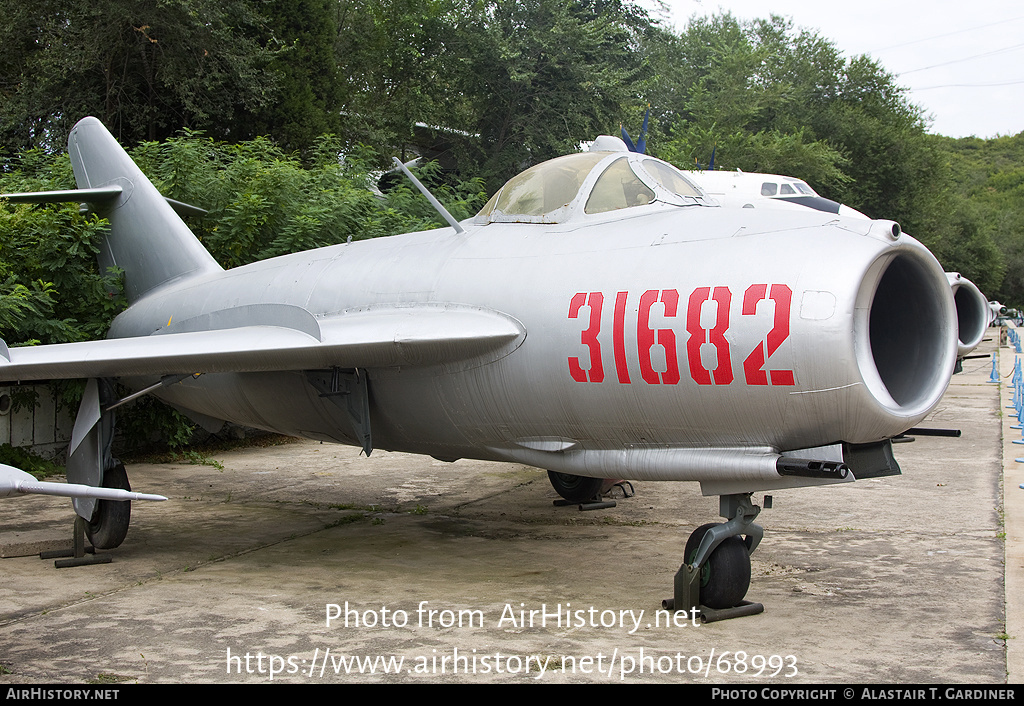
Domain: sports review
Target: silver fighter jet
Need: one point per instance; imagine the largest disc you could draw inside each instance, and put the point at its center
(599, 318)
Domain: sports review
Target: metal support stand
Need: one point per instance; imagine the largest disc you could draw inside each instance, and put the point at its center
(595, 503)
(627, 492)
(78, 551)
(598, 502)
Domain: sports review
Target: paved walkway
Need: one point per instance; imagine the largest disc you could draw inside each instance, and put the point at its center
(1013, 519)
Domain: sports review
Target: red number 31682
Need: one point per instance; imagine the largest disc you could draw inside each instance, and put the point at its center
(754, 365)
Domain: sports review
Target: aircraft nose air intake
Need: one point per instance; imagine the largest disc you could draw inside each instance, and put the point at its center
(972, 312)
(906, 340)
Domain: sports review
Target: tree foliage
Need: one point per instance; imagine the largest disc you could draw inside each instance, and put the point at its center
(548, 74)
(146, 68)
(985, 207)
(50, 288)
(303, 80)
(262, 202)
(401, 63)
(771, 98)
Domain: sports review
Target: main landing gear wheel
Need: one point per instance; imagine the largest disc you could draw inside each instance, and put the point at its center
(575, 489)
(109, 524)
(725, 576)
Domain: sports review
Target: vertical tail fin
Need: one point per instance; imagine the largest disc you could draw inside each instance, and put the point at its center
(147, 239)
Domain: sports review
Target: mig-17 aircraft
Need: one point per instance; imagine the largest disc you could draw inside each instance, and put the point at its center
(599, 318)
(738, 189)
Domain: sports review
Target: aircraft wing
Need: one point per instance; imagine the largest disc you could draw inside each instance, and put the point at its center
(415, 335)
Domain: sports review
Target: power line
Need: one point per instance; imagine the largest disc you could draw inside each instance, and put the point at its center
(966, 58)
(970, 85)
(949, 34)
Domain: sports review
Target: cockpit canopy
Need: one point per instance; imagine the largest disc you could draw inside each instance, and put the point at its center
(585, 184)
(788, 187)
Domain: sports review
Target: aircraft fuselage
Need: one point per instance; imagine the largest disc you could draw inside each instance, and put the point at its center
(687, 327)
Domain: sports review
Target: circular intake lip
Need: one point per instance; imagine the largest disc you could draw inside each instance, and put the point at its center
(971, 313)
(905, 330)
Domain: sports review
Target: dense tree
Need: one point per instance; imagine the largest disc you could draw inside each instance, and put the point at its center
(304, 71)
(985, 210)
(262, 202)
(401, 63)
(547, 75)
(145, 68)
(51, 289)
(776, 99)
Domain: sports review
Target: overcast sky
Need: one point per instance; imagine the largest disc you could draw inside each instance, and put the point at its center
(962, 61)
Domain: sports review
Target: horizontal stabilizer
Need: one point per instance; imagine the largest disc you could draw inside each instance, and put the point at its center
(366, 339)
(103, 193)
(185, 209)
(98, 195)
(14, 481)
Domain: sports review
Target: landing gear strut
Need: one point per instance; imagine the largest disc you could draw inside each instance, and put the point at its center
(90, 463)
(715, 575)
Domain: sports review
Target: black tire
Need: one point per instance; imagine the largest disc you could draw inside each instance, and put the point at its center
(725, 576)
(575, 489)
(109, 524)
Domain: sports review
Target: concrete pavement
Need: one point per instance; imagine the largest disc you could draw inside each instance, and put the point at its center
(885, 580)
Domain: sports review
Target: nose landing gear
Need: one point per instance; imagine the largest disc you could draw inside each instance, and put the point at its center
(715, 575)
